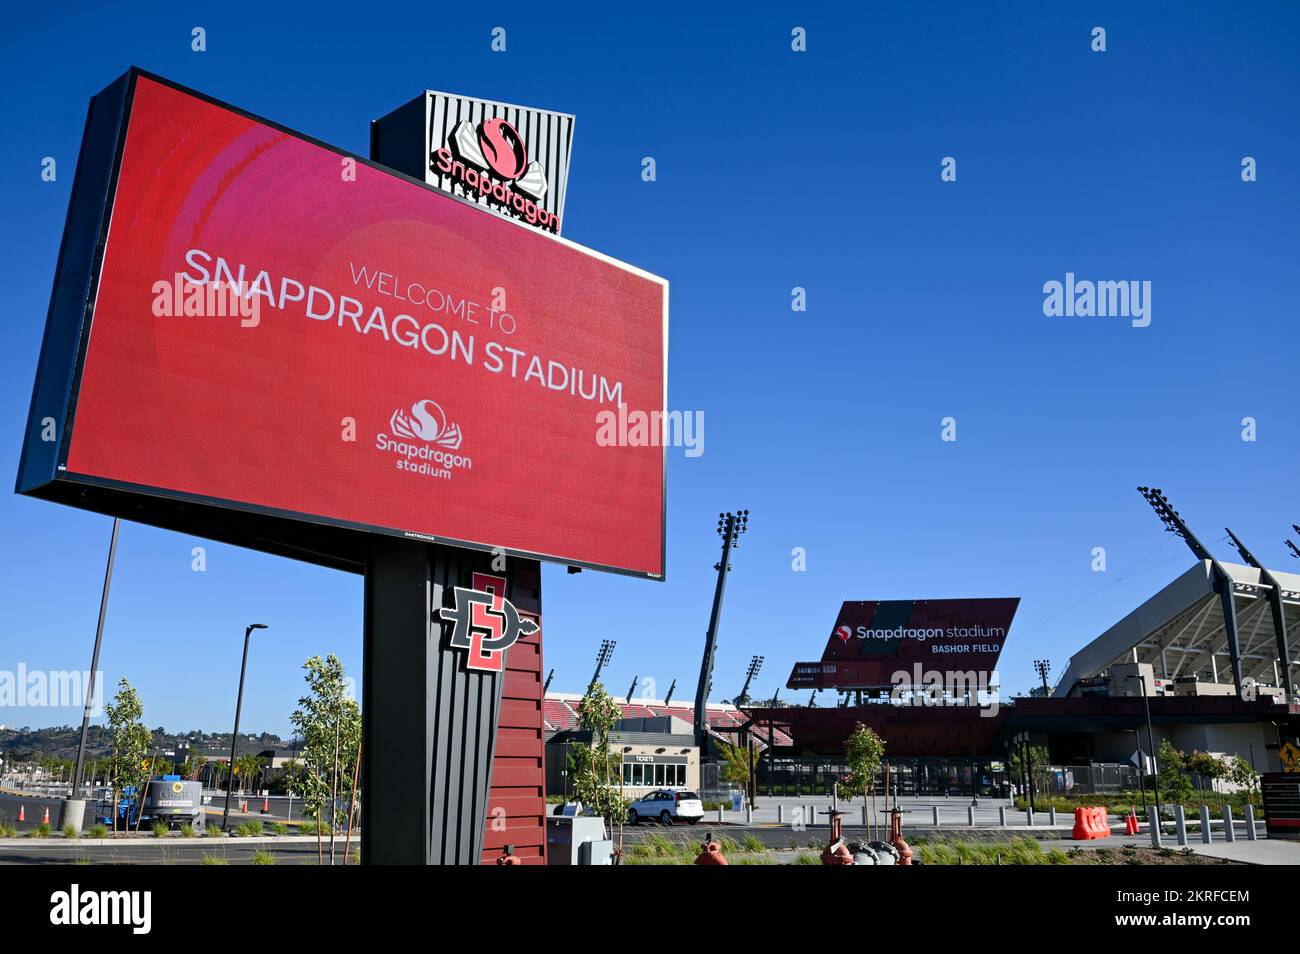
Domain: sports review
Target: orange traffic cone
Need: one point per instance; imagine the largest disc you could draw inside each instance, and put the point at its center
(1131, 823)
(266, 804)
(22, 813)
(46, 819)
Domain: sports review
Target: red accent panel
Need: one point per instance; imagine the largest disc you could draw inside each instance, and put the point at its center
(517, 799)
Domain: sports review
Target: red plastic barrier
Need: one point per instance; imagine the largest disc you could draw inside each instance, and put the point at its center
(1090, 822)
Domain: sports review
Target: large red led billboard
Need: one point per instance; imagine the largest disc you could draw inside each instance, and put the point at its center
(390, 358)
(877, 643)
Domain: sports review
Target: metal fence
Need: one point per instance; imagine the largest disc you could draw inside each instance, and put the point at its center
(1092, 779)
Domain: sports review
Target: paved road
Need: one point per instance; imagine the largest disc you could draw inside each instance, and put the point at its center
(179, 851)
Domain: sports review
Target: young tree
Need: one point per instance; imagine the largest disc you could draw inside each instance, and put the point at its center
(597, 772)
(738, 764)
(1241, 772)
(128, 765)
(863, 752)
(247, 767)
(1175, 785)
(1039, 768)
(329, 723)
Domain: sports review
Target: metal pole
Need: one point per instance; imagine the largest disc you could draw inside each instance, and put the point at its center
(239, 704)
(711, 638)
(1151, 743)
(94, 660)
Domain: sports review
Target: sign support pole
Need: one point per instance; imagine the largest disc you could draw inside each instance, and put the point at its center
(429, 723)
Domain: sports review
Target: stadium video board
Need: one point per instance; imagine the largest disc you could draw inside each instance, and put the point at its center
(248, 320)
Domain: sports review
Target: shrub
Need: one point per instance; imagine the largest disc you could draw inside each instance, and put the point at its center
(278, 828)
(188, 831)
(264, 858)
(753, 843)
(248, 829)
(40, 831)
(214, 860)
(97, 830)
(160, 829)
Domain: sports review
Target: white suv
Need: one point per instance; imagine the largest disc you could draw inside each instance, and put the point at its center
(667, 806)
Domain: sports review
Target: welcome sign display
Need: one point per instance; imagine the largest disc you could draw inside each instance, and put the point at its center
(273, 326)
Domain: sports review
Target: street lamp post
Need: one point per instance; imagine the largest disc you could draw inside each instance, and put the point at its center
(239, 704)
(1151, 742)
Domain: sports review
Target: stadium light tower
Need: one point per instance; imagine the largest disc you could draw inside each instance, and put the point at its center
(755, 664)
(631, 689)
(1274, 597)
(549, 676)
(1223, 582)
(1043, 667)
(669, 698)
(603, 656)
(1295, 551)
(730, 527)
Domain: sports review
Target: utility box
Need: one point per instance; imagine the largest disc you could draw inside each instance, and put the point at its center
(577, 840)
(1281, 792)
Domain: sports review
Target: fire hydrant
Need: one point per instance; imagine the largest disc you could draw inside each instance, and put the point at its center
(896, 837)
(836, 851)
(710, 852)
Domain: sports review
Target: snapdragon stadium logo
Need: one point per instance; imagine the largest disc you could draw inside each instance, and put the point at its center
(484, 623)
(426, 422)
(490, 162)
(424, 441)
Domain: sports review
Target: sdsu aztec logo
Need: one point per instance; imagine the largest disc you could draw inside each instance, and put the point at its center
(429, 441)
(485, 623)
(489, 162)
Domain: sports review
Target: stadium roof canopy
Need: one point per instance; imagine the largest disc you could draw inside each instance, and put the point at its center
(1180, 631)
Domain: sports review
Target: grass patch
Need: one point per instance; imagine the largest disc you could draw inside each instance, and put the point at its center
(187, 831)
(312, 827)
(212, 830)
(214, 860)
(264, 858)
(248, 829)
(97, 830)
(753, 843)
(71, 831)
(278, 828)
(807, 859)
(40, 831)
(80, 861)
(1018, 851)
(160, 830)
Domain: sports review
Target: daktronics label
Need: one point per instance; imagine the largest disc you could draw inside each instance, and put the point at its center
(411, 366)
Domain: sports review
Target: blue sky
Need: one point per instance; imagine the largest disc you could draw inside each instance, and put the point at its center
(775, 169)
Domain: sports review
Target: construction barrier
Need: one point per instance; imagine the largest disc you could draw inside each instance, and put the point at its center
(1090, 822)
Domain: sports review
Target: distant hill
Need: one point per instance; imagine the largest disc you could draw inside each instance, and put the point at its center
(60, 742)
